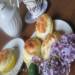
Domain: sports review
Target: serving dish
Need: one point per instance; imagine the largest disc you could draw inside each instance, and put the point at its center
(61, 26)
(12, 44)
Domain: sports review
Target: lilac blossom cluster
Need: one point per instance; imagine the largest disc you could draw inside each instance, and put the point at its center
(61, 57)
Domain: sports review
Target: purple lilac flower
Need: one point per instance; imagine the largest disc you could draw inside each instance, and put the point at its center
(61, 57)
(65, 48)
(54, 67)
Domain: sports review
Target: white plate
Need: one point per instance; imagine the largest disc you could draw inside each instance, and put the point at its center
(32, 18)
(20, 44)
(61, 25)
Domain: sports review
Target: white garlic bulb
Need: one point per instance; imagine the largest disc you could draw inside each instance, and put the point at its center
(10, 21)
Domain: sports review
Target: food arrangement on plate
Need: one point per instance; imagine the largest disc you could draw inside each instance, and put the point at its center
(5, 63)
(11, 57)
(50, 50)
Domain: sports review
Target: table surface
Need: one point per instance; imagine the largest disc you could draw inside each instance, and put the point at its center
(61, 9)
